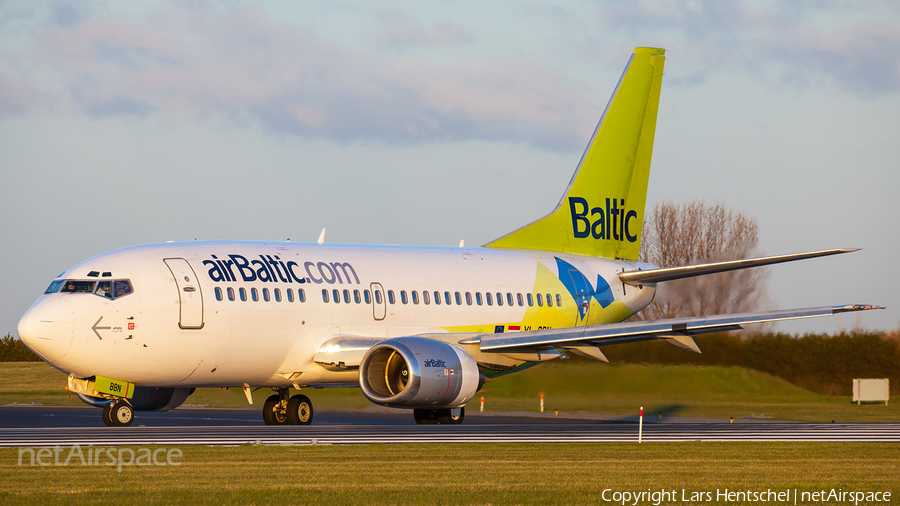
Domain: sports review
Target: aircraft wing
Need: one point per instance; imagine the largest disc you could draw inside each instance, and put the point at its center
(677, 330)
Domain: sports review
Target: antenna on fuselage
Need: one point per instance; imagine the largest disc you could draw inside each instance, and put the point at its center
(321, 237)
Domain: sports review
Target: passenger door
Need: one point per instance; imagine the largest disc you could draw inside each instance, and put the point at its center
(189, 295)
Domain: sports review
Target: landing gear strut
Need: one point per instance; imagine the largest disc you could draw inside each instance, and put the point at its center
(281, 409)
(446, 416)
(118, 413)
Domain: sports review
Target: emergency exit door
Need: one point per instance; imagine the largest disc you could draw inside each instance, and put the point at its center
(379, 306)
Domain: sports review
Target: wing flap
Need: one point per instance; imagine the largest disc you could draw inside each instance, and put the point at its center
(617, 333)
(344, 352)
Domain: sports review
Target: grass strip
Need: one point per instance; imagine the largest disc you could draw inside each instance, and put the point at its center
(457, 474)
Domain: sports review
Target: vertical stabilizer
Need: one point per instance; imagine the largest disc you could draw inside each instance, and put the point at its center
(602, 210)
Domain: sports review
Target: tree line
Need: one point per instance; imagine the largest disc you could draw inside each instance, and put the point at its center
(13, 350)
(823, 363)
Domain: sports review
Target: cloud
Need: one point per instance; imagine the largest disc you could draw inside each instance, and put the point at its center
(403, 32)
(860, 59)
(237, 66)
(783, 39)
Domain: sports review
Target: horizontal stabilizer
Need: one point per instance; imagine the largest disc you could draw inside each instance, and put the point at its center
(636, 278)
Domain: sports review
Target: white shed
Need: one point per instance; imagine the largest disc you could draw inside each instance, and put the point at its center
(865, 390)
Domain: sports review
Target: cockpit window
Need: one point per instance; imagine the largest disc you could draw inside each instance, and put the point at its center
(112, 289)
(122, 288)
(104, 289)
(78, 286)
(55, 286)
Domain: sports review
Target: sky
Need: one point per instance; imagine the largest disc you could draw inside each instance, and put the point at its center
(425, 123)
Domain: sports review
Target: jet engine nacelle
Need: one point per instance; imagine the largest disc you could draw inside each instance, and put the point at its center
(147, 398)
(413, 372)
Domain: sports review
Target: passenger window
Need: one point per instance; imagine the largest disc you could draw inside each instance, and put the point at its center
(530, 299)
(54, 286)
(415, 297)
(337, 296)
(403, 297)
(390, 296)
(290, 295)
(499, 299)
(540, 300)
(266, 294)
(254, 295)
(104, 289)
(346, 296)
(325, 295)
(230, 294)
(378, 296)
(519, 299)
(437, 297)
(301, 295)
(509, 301)
(218, 293)
(558, 301)
(549, 300)
(478, 298)
(79, 287)
(357, 297)
(243, 293)
(490, 298)
(367, 297)
(425, 297)
(468, 298)
(277, 295)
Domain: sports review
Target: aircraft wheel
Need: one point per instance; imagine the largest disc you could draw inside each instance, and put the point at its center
(107, 418)
(273, 412)
(425, 416)
(452, 416)
(118, 414)
(299, 410)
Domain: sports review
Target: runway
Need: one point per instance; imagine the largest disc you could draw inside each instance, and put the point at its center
(241, 427)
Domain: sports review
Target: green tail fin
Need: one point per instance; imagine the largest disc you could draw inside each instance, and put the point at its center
(602, 211)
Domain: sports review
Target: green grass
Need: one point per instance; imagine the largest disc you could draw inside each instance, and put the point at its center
(456, 473)
(572, 387)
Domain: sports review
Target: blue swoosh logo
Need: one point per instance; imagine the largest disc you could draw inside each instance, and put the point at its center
(580, 288)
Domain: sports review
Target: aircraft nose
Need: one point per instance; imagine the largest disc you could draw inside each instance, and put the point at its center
(47, 328)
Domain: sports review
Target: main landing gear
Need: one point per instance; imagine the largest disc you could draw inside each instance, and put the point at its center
(447, 416)
(118, 413)
(282, 409)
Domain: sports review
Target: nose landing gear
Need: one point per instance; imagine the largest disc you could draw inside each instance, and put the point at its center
(118, 413)
(280, 409)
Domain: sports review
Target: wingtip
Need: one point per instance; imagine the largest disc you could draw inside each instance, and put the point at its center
(856, 307)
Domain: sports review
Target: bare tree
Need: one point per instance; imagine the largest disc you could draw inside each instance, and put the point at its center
(693, 233)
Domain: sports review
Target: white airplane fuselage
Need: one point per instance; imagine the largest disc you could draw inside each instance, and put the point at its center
(180, 327)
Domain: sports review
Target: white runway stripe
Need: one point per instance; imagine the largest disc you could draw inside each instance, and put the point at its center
(496, 433)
